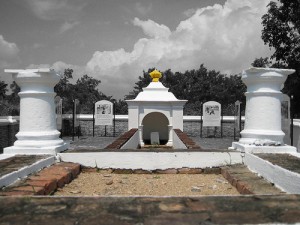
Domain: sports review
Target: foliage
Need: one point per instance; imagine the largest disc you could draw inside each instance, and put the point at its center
(281, 31)
(85, 90)
(9, 104)
(261, 62)
(197, 86)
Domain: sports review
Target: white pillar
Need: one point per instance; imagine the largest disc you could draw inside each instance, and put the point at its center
(170, 131)
(38, 133)
(263, 107)
(142, 144)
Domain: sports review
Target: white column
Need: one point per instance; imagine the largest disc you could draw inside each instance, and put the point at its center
(142, 144)
(263, 107)
(38, 133)
(170, 130)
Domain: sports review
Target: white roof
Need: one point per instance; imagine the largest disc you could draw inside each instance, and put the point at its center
(156, 92)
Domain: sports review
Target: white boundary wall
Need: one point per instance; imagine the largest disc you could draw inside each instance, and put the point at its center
(152, 160)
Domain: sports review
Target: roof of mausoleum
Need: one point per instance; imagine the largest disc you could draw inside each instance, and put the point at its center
(156, 91)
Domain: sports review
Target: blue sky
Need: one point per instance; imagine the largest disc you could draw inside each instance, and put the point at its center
(115, 40)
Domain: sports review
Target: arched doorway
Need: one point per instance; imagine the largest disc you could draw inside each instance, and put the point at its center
(155, 122)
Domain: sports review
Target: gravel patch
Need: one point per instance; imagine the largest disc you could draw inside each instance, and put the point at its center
(108, 184)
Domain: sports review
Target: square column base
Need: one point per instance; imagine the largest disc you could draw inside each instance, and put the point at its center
(49, 150)
(262, 149)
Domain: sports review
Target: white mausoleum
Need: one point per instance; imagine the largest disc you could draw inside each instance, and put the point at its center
(155, 110)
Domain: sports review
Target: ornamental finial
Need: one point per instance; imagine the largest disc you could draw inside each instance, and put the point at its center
(155, 75)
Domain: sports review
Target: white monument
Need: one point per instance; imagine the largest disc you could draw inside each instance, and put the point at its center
(38, 132)
(262, 131)
(155, 109)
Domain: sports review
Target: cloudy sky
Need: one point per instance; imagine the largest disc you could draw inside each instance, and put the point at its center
(115, 40)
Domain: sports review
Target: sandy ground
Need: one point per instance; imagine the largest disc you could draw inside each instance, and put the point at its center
(109, 184)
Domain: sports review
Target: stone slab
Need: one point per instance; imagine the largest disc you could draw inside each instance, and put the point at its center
(257, 209)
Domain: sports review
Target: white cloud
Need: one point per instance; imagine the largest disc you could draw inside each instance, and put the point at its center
(143, 9)
(8, 50)
(67, 26)
(189, 12)
(225, 38)
(152, 29)
(9, 58)
(56, 9)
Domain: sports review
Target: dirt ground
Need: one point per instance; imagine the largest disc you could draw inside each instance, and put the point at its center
(109, 184)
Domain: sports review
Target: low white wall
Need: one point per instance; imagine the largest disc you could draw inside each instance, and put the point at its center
(284, 179)
(296, 134)
(133, 142)
(152, 160)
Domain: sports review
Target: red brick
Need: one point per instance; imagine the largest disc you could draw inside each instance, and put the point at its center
(48, 185)
(15, 193)
(167, 171)
(242, 188)
(142, 171)
(189, 171)
(74, 168)
(34, 190)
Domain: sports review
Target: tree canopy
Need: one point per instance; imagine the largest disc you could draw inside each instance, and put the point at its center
(281, 32)
(85, 90)
(197, 86)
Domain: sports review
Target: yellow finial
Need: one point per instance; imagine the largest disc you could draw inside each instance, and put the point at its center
(155, 75)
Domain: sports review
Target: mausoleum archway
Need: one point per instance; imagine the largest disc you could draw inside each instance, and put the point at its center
(155, 122)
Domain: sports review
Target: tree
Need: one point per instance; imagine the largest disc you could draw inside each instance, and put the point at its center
(3, 89)
(281, 31)
(197, 86)
(85, 90)
(261, 62)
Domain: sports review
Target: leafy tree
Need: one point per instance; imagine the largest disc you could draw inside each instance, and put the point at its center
(281, 31)
(261, 62)
(3, 89)
(85, 90)
(142, 82)
(121, 107)
(197, 86)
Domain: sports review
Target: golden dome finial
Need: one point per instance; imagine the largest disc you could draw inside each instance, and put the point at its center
(155, 75)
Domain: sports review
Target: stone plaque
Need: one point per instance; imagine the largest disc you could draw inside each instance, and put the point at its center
(211, 114)
(104, 113)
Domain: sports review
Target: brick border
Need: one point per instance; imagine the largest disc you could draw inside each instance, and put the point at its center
(46, 181)
(120, 141)
(186, 140)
